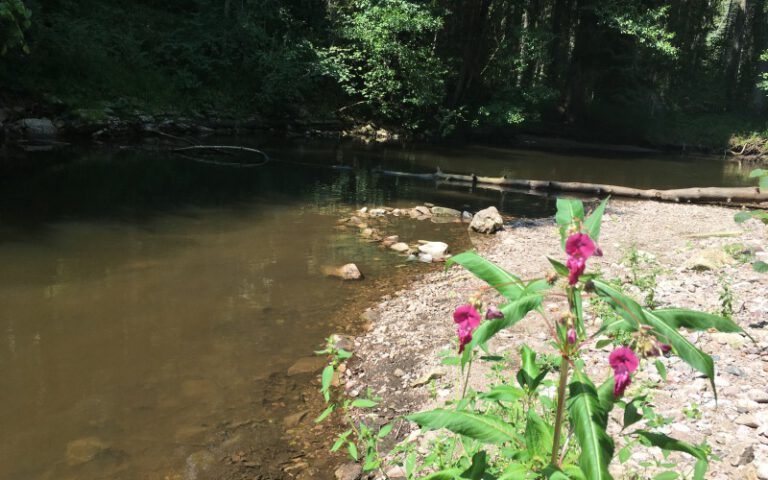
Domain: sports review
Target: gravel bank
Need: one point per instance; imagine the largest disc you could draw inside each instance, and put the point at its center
(398, 358)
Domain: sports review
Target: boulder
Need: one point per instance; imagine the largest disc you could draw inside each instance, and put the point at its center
(445, 212)
(487, 221)
(36, 128)
(434, 249)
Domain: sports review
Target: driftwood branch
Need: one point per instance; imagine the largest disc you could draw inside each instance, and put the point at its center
(731, 196)
(221, 149)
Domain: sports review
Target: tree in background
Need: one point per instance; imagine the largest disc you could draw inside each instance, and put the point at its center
(14, 19)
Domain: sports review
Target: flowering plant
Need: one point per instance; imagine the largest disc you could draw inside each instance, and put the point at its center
(565, 436)
(555, 428)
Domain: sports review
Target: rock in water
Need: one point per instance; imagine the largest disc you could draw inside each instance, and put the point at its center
(36, 128)
(345, 272)
(434, 249)
(445, 212)
(400, 247)
(307, 365)
(84, 450)
(487, 221)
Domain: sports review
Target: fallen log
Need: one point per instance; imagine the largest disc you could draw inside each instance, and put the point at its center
(702, 194)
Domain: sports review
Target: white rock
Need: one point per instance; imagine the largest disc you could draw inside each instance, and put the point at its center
(435, 249)
(400, 247)
(487, 221)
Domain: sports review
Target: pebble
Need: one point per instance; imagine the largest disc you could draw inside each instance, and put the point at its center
(762, 471)
(758, 395)
(747, 420)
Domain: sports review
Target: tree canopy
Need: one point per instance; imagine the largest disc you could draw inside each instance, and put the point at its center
(440, 66)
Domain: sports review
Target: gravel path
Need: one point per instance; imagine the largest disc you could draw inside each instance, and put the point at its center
(398, 358)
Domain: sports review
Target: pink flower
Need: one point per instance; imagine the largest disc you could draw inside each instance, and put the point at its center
(579, 248)
(623, 361)
(571, 336)
(467, 319)
(493, 312)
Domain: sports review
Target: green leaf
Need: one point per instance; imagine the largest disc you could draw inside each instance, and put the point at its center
(477, 469)
(567, 211)
(627, 308)
(385, 430)
(352, 449)
(606, 398)
(516, 471)
(340, 441)
(513, 313)
(326, 382)
(510, 286)
(588, 419)
(561, 269)
(700, 321)
(742, 217)
(624, 454)
(363, 403)
(485, 428)
(343, 354)
(631, 414)
(538, 436)
(329, 410)
(666, 476)
(449, 474)
(503, 393)
(758, 172)
(760, 267)
(668, 443)
(592, 223)
(574, 472)
(530, 375)
(684, 349)
(763, 183)
(661, 369)
(700, 469)
(602, 343)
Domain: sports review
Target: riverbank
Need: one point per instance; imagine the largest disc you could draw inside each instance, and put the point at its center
(694, 251)
(36, 125)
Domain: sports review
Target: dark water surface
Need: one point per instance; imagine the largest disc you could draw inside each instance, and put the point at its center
(151, 302)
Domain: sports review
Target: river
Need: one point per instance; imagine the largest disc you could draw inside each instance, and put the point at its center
(152, 304)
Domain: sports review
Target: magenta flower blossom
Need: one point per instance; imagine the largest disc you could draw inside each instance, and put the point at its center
(493, 312)
(571, 336)
(467, 319)
(623, 361)
(579, 248)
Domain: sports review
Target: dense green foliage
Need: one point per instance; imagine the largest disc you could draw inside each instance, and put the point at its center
(639, 69)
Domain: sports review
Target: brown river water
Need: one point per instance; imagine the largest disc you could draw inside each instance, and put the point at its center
(152, 305)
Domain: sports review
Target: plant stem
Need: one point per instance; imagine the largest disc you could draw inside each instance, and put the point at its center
(466, 378)
(560, 410)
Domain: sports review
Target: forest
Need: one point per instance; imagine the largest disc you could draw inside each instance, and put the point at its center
(650, 71)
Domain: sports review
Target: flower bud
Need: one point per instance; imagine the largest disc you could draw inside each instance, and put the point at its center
(571, 336)
(493, 312)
